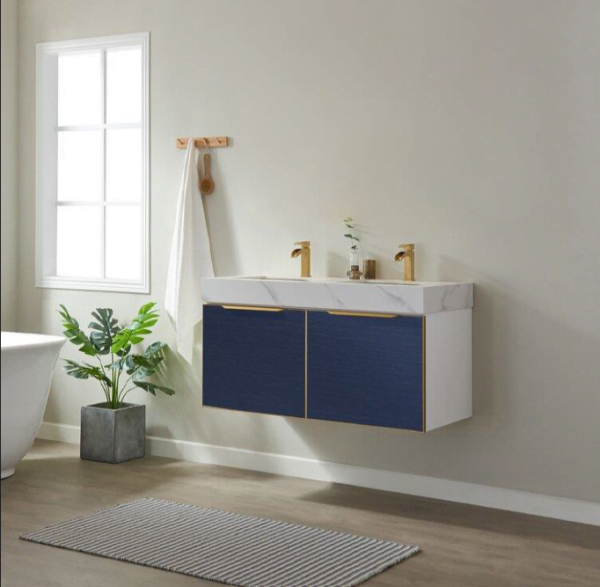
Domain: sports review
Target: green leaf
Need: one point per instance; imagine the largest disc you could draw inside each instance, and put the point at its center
(104, 330)
(148, 363)
(85, 371)
(154, 348)
(138, 330)
(142, 366)
(120, 364)
(153, 388)
(74, 333)
(144, 362)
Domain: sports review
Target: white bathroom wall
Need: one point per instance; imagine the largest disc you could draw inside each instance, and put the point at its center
(470, 128)
(8, 130)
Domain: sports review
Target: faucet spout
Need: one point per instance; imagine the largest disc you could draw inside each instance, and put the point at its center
(407, 255)
(304, 253)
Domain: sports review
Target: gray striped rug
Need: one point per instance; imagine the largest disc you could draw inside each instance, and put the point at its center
(225, 547)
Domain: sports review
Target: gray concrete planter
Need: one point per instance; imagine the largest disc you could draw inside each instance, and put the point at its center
(113, 436)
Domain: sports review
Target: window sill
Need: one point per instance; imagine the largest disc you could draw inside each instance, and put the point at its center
(91, 285)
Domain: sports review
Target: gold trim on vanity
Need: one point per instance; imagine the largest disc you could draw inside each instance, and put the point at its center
(360, 314)
(253, 309)
(306, 365)
(424, 373)
(202, 359)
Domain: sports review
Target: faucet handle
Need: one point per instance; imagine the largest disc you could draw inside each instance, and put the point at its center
(407, 246)
(303, 244)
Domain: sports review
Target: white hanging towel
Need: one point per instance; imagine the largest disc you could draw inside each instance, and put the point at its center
(190, 258)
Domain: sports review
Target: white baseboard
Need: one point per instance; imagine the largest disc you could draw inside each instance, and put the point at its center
(571, 510)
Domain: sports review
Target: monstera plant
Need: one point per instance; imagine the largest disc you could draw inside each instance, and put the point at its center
(118, 369)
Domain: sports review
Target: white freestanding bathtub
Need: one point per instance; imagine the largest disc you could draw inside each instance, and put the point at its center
(28, 361)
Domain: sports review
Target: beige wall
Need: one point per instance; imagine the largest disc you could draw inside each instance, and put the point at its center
(471, 128)
(8, 130)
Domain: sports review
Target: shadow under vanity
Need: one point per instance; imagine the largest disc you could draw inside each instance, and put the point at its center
(391, 354)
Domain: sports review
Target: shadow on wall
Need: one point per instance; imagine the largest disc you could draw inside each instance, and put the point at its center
(219, 220)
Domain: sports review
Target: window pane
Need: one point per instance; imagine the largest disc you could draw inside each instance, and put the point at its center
(124, 242)
(80, 88)
(79, 166)
(124, 85)
(79, 241)
(124, 165)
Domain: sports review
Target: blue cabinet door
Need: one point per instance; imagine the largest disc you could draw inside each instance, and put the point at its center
(366, 370)
(254, 360)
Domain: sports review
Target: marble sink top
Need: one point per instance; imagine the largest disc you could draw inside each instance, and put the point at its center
(377, 296)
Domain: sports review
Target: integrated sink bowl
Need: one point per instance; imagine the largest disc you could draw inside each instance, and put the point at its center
(378, 296)
(336, 280)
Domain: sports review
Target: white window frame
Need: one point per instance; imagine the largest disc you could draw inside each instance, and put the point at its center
(46, 163)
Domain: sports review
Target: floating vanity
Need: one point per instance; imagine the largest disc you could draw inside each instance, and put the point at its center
(381, 353)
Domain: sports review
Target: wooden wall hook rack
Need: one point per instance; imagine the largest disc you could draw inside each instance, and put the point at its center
(203, 142)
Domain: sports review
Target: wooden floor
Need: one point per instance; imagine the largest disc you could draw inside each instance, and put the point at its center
(462, 545)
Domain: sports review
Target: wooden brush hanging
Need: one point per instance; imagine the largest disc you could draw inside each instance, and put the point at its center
(207, 183)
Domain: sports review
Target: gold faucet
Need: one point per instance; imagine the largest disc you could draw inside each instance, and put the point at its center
(408, 256)
(304, 253)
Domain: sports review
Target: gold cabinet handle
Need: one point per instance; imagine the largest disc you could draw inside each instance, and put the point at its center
(252, 309)
(361, 314)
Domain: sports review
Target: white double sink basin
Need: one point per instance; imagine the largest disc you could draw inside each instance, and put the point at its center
(377, 296)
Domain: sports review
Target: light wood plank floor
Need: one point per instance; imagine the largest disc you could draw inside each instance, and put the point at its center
(462, 545)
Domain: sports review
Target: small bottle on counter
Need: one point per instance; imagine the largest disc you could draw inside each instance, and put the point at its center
(370, 269)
